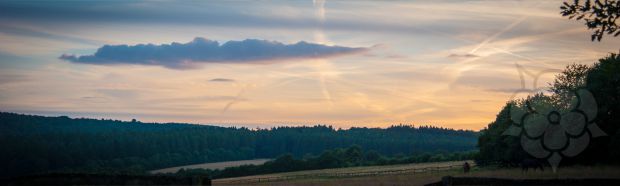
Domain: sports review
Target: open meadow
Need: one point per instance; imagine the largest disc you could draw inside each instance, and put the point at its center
(217, 165)
(398, 173)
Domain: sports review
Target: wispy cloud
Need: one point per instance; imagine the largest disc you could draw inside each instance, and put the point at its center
(222, 80)
(28, 32)
(200, 50)
(468, 55)
(236, 99)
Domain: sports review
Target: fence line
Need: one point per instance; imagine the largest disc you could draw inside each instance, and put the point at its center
(344, 174)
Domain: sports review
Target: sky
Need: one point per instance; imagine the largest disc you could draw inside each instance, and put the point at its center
(261, 64)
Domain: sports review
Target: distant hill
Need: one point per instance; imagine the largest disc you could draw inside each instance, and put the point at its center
(36, 144)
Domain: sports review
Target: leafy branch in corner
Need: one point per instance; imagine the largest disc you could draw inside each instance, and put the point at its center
(600, 15)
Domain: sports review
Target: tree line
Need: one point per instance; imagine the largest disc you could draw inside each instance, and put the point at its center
(335, 158)
(37, 144)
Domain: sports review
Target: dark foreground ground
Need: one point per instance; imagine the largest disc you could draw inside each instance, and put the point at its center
(449, 180)
(99, 179)
(576, 175)
(564, 173)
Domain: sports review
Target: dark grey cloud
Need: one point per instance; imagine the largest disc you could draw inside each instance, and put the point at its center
(468, 55)
(222, 80)
(200, 50)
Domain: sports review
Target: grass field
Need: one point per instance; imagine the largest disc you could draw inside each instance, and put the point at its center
(218, 165)
(433, 176)
(402, 179)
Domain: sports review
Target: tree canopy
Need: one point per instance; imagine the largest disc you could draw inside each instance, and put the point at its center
(601, 79)
(33, 144)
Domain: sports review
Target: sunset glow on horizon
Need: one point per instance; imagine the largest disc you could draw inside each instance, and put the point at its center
(261, 64)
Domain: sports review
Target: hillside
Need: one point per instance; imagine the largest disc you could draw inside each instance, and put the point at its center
(33, 144)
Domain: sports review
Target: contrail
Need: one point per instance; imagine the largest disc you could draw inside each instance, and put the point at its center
(466, 64)
(320, 5)
(319, 36)
(235, 100)
(506, 29)
(324, 90)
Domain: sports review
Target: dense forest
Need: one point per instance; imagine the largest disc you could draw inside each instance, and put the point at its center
(602, 80)
(335, 158)
(36, 144)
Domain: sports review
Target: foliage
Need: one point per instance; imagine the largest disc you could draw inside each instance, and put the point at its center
(565, 83)
(36, 144)
(496, 147)
(600, 15)
(602, 79)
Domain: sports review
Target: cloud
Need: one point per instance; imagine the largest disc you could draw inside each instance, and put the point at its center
(468, 55)
(200, 50)
(29, 32)
(118, 93)
(222, 80)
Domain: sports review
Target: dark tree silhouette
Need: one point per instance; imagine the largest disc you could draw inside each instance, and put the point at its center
(602, 79)
(36, 144)
(600, 16)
